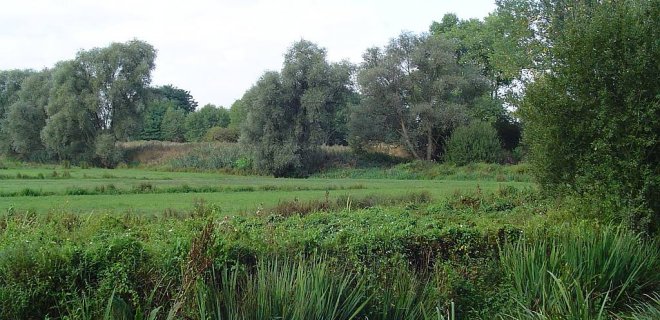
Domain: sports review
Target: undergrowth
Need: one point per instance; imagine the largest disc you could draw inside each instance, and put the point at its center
(474, 255)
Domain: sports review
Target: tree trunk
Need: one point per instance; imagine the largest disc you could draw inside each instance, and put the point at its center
(430, 145)
(406, 139)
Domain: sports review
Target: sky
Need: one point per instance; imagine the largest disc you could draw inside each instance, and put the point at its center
(215, 49)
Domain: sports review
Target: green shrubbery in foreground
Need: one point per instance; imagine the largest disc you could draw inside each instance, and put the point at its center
(473, 255)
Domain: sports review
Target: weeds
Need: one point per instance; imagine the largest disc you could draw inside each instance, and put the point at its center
(473, 255)
(297, 207)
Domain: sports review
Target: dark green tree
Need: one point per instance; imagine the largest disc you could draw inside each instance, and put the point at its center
(593, 122)
(152, 117)
(289, 115)
(173, 125)
(181, 98)
(415, 88)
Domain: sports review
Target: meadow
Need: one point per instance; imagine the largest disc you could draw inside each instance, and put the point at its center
(42, 188)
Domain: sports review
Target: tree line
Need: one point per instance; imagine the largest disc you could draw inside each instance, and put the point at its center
(80, 108)
(414, 92)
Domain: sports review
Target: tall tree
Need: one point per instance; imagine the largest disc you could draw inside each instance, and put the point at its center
(501, 46)
(292, 113)
(505, 49)
(118, 77)
(152, 117)
(416, 88)
(270, 129)
(10, 85)
(69, 132)
(101, 91)
(27, 117)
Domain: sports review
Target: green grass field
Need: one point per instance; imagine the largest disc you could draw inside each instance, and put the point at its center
(144, 191)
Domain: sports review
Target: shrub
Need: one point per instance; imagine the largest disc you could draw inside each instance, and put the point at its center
(106, 151)
(211, 156)
(476, 142)
(222, 134)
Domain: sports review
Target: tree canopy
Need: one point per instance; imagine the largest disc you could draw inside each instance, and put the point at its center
(102, 91)
(416, 88)
(289, 114)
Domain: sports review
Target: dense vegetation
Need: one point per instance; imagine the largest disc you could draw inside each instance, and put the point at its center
(413, 206)
(593, 124)
(474, 254)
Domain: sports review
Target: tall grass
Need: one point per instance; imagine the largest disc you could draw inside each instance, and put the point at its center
(408, 296)
(281, 289)
(314, 289)
(646, 310)
(424, 170)
(277, 288)
(582, 274)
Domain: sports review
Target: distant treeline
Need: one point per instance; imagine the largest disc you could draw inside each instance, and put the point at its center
(413, 92)
(80, 108)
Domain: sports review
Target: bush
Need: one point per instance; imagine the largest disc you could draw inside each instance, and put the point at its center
(210, 156)
(222, 134)
(106, 151)
(476, 142)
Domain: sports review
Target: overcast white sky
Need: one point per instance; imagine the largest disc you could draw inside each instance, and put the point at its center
(214, 49)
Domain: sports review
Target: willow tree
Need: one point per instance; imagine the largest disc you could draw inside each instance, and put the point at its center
(290, 114)
(10, 85)
(415, 88)
(101, 92)
(27, 117)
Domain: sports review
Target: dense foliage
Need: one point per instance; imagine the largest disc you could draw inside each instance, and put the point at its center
(469, 254)
(79, 109)
(416, 88)
(290, 114)
(593, 122)
(476, 142)
(402, 242)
